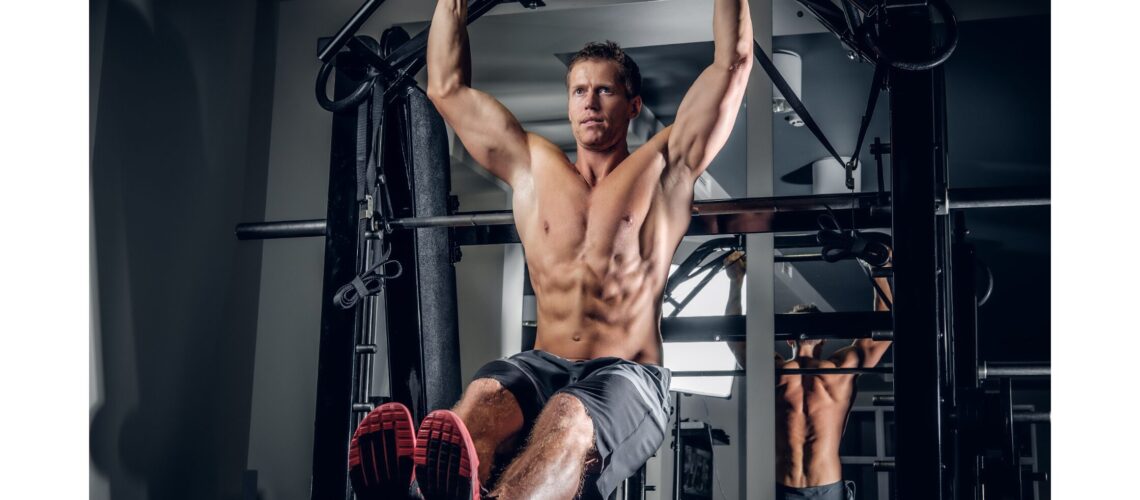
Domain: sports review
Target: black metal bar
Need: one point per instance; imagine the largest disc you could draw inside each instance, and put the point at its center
(334, 420)
(282, 229)
(349, 29)
(918, 361)
(801, 257)
(879, 370)
(409, 58)
(635, 485)
(834, 21)
(882, 400)
(864, 324)
(944, 232)
(883, 465)
(1013, 370)
(485, 235)
(786, 371)
(738, 216)
(704, 225)
(677, 447)
(838, 325)
(497, 218)
(970, 198)
(862, 5)
(878, 148)
(1005, 482)
(809, 240)
(1031, 417)
(707, 373)
(965, 358)
(704, 208)
(779, 222)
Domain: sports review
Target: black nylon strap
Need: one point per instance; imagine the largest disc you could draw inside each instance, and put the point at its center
(376, 126)
(362, 147)
(368, 284)
(872, 99)
(793, 99)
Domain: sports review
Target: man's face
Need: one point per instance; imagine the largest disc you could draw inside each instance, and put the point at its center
(600, 110)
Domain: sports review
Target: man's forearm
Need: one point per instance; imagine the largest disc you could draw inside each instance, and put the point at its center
(732, 31)
(734, 306)
(870, 349)
(448, 53)
(885, 287)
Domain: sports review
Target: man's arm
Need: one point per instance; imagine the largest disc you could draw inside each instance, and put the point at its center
(735, 266)
(866, 353)
(487, 129)
(708, 111)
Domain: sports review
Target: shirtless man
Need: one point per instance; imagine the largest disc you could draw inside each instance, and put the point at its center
(811, 410)
(599, 235)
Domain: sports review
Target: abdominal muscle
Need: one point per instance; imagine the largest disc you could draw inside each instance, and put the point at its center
(599, 256)
(584, 316)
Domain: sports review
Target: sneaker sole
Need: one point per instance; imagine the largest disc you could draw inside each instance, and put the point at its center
(447, 464)
(380, 456)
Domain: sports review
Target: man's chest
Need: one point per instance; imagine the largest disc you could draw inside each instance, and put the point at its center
(564, 215)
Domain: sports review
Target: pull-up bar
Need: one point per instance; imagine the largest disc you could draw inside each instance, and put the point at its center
(743, 208)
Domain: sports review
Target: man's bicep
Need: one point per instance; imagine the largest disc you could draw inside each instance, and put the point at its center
(873, 351)
(847, 357)
(706, 116)
(490, 133)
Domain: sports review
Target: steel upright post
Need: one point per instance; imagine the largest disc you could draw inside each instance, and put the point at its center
(339, 327)
(918, 357)
(965, 364)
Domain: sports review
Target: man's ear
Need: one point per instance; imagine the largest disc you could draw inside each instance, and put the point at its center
(635, 107)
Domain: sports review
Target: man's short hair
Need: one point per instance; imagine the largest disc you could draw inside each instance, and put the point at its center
(628, 71)
(804, 308)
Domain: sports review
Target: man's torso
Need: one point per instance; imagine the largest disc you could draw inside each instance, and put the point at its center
(811, 412)
(599, 256)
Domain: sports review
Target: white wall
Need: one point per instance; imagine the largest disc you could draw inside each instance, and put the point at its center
(175, 130)
(285, 370)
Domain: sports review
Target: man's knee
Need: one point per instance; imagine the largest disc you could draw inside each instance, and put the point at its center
(487, 406)
(566, 417)
(487, 393)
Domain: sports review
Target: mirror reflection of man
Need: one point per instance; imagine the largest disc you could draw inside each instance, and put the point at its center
(811, 410)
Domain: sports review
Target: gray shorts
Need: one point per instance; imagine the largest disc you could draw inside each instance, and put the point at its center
(628, 403)
(843, 490)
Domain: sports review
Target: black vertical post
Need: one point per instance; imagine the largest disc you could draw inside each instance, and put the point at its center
(677, 447)
(530, 304)
(343, 259)
(635, 485)
(945, 304)
(423, 325)
(917, 315)
(965, 363)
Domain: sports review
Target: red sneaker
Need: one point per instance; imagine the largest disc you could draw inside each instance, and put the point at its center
(447, 466)
(380, 455)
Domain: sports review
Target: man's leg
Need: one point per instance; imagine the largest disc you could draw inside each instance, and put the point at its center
(494, 419)
(455, 450)
(553, 462)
